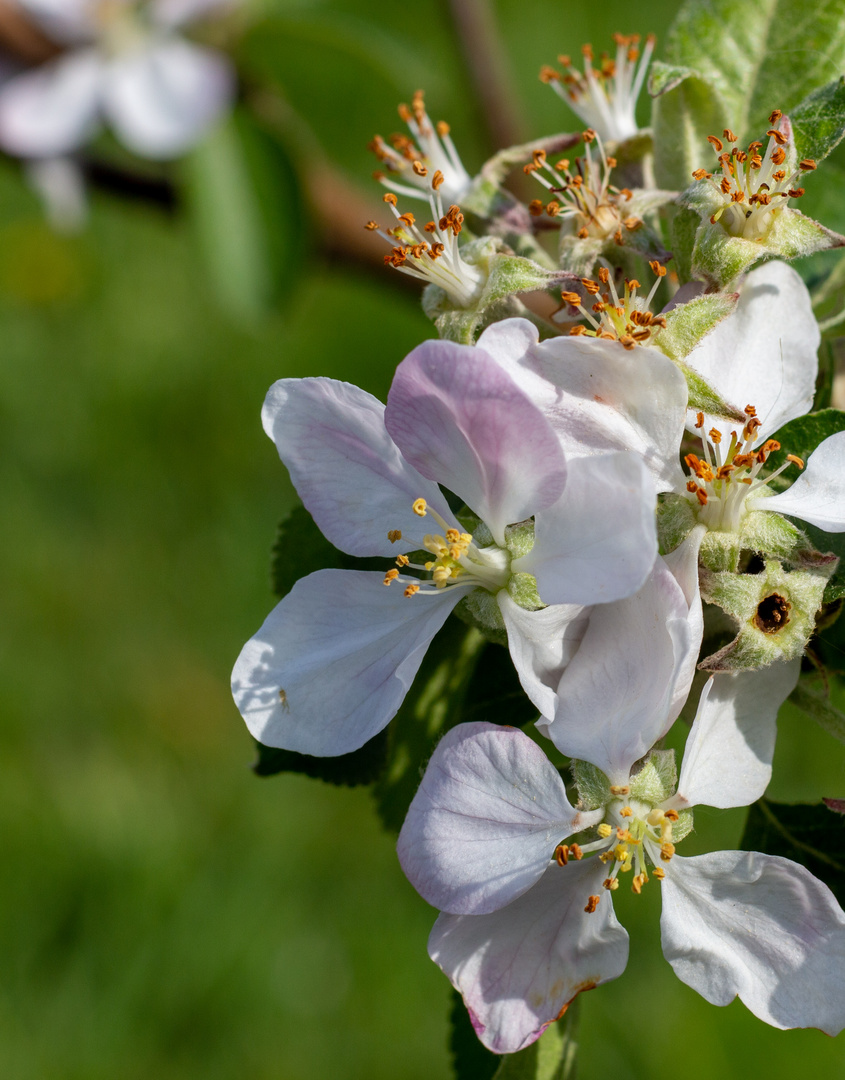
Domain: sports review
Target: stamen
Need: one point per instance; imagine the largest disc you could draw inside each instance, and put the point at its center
(395, 534)
(592, 904)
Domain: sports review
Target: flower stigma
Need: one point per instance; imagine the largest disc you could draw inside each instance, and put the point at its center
(585, 198)
(626, 318)
(457, 560)
(754, 187)
(720, 482)
(605, 98)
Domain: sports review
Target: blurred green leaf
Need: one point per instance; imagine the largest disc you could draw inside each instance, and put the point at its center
(813, 700)
(248, 212)
(805, 833)
(772, 60)
(471, 1060)
(433, 705)
(818, 123)
(349, 770)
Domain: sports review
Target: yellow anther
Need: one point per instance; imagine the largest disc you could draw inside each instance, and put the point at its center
(626, 866)
(626, 811)
(412, 590)
(391, 575)
(620, 789)
(611, 883)
(672, 815)
(623, 834)
(453, 536)
(441, 575)
(576, 852)
(394, 535)
(656, 817)
(659, 873)
(667, 851)
(562, 854)
(419, 507)
(592, 904)
(604, 830)
(403, 560)
(637, 883)
(621, 853)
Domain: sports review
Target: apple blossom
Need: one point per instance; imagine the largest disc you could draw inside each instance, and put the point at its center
(124, 62)
(332, 663)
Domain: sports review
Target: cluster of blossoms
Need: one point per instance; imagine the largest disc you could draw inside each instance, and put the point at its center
(575, 486)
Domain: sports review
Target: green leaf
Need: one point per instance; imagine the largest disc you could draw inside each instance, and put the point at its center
(807, 834)
(551, 1057)
(433, 705)
(813, 700)
(801, 437)
(471, 1060)
(349, 770)
(818, 123)
(301, 549)
(771, 60)
(248, 213)
(685, 111)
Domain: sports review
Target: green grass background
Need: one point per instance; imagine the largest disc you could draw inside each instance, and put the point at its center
(163, 913)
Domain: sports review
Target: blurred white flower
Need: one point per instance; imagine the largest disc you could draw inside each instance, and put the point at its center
(124, 63)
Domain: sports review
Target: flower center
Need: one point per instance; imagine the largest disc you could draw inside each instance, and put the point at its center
(720, 483)
(605, 97)
(586, 199)
(753, 188)
(626, 319)
(433, 254)
(457, 561)
(433, 150)
(633, 836)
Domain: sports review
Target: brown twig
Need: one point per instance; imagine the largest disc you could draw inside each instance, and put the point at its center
(21, 37)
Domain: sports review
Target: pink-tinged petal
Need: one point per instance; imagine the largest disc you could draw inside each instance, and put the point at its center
(541, 644)
(818, 495)
(162, 99)
(52, 109)
(174, 13)
(333, 661)
(600, 397)
(765, 353)
(759, 927)
(346, 468)
(459, 419)
(485, 821)
(518, 968)
(508, 340)
(683, 562)
(728, 756)
(616, 693)
(598, 542)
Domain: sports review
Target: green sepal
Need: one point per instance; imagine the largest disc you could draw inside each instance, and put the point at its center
(522, 589)
(758, 603)
(657, 778)
(686, 325)
(808, 834)
(675, 521)
(481, 610)
(592, 785)
(552, 1057)
(719, 258)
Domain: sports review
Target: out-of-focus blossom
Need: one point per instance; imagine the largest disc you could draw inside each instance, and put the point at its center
(124, 63)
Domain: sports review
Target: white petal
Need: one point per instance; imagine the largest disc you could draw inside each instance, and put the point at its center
(728, 756)
(600, 397)
(485, 821)
(52, 109)
(818, 495)
(519, 967)
(345, 467)
(616, 694)
(163, 98)
(541, 644)
(344, 650)
(760, 927)
(683, 562)
(765, 353)
(508, 341)
(598, 542)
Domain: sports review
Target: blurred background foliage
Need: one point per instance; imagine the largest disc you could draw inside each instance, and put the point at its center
(163, 911)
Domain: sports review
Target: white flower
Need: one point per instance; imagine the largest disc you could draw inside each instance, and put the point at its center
(124, 63)
(605, 97)
(528, 918)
